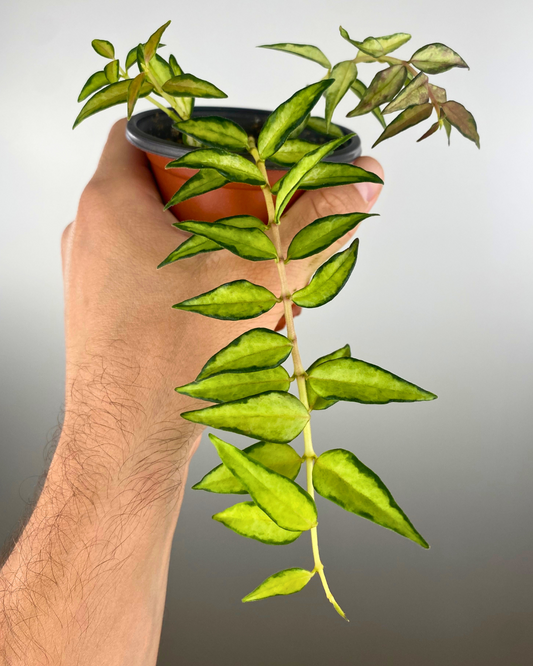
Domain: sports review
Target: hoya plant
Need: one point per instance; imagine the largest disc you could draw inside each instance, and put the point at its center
(246, 380)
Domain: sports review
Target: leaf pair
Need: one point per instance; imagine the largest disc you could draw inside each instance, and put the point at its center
(377, 47)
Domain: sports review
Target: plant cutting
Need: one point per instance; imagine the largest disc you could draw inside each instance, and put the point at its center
(276, 157)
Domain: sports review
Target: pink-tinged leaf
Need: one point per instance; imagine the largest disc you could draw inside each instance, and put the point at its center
(408, 118)
(430, 131)
(385, 85)
(436, 58)
(462, 120)
(415, 92)
(134, 91)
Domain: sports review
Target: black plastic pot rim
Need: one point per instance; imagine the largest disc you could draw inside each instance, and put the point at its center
(139, 126)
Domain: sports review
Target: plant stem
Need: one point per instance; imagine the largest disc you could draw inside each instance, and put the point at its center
(169, 112)
(299, 371)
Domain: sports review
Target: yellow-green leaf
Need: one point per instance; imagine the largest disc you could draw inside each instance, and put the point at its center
(188, 85)
(94, 82)
(415, 92)
(204, 181)
(103, 48)
(257, 349)
(383, 88)
(249, 243)
(322, 233)
(153, 42)
(134, 92)
(111, 71)
(321, 126)
(248, 520)
(339, 476)
(281, 458)
(116, 93)
(314, 400)
(231, 301)
(190, 248)
(287, 117)
(288, 581)
(331, 174)
(408, 118)
(359, 89)
(329, 279)
(273, 417)
(378, 46)
(303, 50)
(283, 500)
(343, 75)
(228, 386)
(356, 381)
(462, 120)
(436, 58)
(233, 167)
(292, 151)
(174, 66)
(131, 58)
(216, 132)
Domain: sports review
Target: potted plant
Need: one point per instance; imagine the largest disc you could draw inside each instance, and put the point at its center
(230, 174)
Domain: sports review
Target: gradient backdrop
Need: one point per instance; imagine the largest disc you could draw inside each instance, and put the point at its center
(442, 295)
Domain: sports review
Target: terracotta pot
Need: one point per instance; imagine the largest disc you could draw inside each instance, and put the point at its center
(153, 133)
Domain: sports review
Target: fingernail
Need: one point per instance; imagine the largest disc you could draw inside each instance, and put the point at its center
(368, 191)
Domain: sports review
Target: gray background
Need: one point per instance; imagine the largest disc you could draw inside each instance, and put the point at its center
(441, 295)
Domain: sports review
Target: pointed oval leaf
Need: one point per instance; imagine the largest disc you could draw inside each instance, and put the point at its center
(188, 85)
(216, 132)
(115, 93)
(430, 131)
(153, 42)
(249, 243)
(321, 126)
(342, 478)
(415, 92)
(292, 179)
(343, 75)
(303, 50)
(447, 127)
(384, 86)
(190, 248)
(273, 417)
(281, 458)
(287, 117)
(408, 118)
(462, 120)
(159, 69)
(103, 48)
(248, 520)
(313, 399)
(228, 386)
(331, 174)
(356, 381)
(436, 58)
(329, 279)
(283, 500)
(134, 92)
(378, 46)
(233, 167)
(131, 58)
(257, 349)
(242, 222)
(359, 88)
(231, 301)
(292, 151)
(111, 71)
(438, 93)
(288, 581)
(174, 66)
(204, 181)
(322, 233)
(94, 82)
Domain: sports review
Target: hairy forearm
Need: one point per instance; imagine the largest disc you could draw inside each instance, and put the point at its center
(85, 582)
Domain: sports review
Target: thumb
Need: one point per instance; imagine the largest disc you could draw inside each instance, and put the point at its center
(356, 198)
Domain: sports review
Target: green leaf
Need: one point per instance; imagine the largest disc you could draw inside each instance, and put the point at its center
(283, 500)
(287, 117)
(378, 46)
(292, 179)
(248, 520)
(448, 127)
(216, 132)
(249, 243)
(342, 478)
(103, 48)
(134, 92)
(329, 279)
(359, 88)
(240, 222)
(160, 70)
(288, 581)
(233, 167)
(281, 458)
(303, 50)
(116, 93)
(228, 386)
(384, 86)
(292, 151)
(204, 181)
(408, 118)
(356, 381)
(153, 42)
(111, 71)
(321, 126)
(190, 248)
(314, 400)
(94, 82)
(330, 174)
(462, 120)
(188, 85)
(174, 66)
(131, 58)
(343, 75)
(436, 58)
(231, 301)
(273, 417)
(322, 233)
(430, 131)
(257, 349)
(416, 92)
